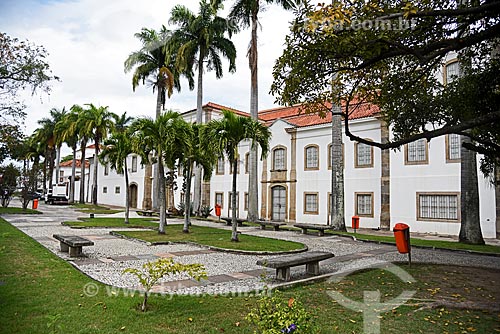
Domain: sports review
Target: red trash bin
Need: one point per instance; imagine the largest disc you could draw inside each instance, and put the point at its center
(355, 223)
(35, 204)
(217, 210)
(402, 236)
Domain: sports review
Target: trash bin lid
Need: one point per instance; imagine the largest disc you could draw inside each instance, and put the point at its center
(400, 227)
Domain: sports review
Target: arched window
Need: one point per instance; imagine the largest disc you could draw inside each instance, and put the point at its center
(311, 157)
(279, 159)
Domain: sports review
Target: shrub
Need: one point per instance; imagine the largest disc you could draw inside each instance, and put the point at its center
(205, 211)
(274, 315)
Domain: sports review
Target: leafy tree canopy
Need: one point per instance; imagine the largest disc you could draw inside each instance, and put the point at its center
(22, 66)
(391, 53)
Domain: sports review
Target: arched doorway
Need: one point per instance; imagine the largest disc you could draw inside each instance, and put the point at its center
(133, 195)
(278, 203)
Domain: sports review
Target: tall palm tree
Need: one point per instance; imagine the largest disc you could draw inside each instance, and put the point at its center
(197, 151)
(115, 151)
(226, 134)
(68, 133)
(246, 12)
(163, 138)
(47, 134)
(98, 121)
(84, 134)
(201, 40)
(154, 64)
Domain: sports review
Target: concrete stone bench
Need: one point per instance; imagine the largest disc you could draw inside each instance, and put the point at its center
(275, 225)
(320, 228)
(146, 212)
(282, 264)
(72, 244)
(229, 221)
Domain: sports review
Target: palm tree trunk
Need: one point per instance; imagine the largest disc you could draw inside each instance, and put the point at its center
(96, 163)
(187, 199)
(73, 175)
(337, 206)
(51, 168)
(234, 222)
(253, 191)
(58, 163)
(45, 174)
(127, 193)
(161, 198)
(470, 226)
(82, 172)
(155, 196)
(199, 120)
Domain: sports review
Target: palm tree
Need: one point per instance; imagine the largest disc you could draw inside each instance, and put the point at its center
(84, 134)
(115, 151)
(197, 151)
(68, 133)
(47, 134)
(155, 63)
(246, 12)
(98, 121)
(200, 40)
(163, 138)
(226, 134)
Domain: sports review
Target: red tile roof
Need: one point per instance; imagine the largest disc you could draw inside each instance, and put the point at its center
(78, 163)
(296, 115)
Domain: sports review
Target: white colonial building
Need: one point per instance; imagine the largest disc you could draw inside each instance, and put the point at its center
(418, 184)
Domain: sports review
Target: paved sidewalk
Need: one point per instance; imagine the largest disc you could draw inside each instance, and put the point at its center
(227, 272)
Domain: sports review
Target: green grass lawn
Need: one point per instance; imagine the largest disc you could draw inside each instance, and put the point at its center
(97, 209)
(37, 287)
(114, 222)
(215, 237)
(454, 245)
(9, 210)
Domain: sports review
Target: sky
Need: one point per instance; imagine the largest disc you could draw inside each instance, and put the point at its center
(89, 40)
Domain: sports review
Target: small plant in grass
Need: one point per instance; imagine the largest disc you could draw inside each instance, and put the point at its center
(152, 272)
(275, 315)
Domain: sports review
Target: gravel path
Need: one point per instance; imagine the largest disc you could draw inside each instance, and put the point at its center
(228, 273)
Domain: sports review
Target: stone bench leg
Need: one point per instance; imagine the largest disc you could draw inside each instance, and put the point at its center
(262, 227)
(283, 274)
(304, 230)
(321, 233)
(276, 228)
(64, 247)
(312, 268)
(75, 251)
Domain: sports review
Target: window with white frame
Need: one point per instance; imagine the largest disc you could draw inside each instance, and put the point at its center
(117, 189)
(364, 204)
(106, 169)
(237, 167)
(246, 201)
(61, 176)
(279, 159)
(452, 71)
(134, 164)
(438, 206)
(416, 152)
(363, 154)
(311, 203)
(104, 190)
(220, 166)
(453, 146)
(311, 157)
(219, 199)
